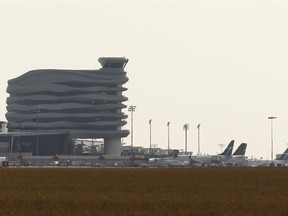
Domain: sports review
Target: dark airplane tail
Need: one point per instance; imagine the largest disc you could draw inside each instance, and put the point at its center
(241, 150)
(284, 156)
(175, 153)
(229, 149)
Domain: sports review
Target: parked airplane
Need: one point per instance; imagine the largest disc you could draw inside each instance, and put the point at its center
(203, 160)
(184, 159)
(282, 160)
(238, 157)
(173, 160)
(241, 150)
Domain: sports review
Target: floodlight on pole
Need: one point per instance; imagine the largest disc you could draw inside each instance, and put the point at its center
(271, 118)
(36, 110)
(150, 123)
(132, 110)
(198, 127)
(168, 125)
(185, 128)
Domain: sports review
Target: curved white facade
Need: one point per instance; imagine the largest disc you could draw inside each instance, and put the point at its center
(87, 103)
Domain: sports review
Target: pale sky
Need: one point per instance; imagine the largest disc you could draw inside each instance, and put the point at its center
(221, 64)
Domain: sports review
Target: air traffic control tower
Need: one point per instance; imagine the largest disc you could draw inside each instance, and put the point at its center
(85, 103)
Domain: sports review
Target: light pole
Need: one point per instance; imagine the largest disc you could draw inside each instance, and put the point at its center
(150, 123)
(185, 128)
(36, 110)
(131, 109)
(168, 124)
(198, 127)
(271, 118)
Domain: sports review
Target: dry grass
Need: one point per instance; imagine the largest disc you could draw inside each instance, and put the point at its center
(96, 191)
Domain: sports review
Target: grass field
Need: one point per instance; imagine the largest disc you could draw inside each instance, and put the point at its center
(117, 191)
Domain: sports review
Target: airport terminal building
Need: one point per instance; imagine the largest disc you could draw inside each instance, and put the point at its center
(48, 108)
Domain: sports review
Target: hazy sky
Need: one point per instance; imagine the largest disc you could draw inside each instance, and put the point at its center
(221, 64)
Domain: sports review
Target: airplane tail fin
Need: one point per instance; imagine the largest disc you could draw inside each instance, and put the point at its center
(241, 150)
(175, 153)
(229, 149)
(284, 156)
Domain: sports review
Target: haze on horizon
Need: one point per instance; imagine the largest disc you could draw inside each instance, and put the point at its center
(221, 64)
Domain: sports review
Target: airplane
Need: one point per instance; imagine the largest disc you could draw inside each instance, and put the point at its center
(282, 160)
(173, 160)
(241, 150)
(173, 154)
(165, 162)
(203, 160)
(238, 158)
(184, 159)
